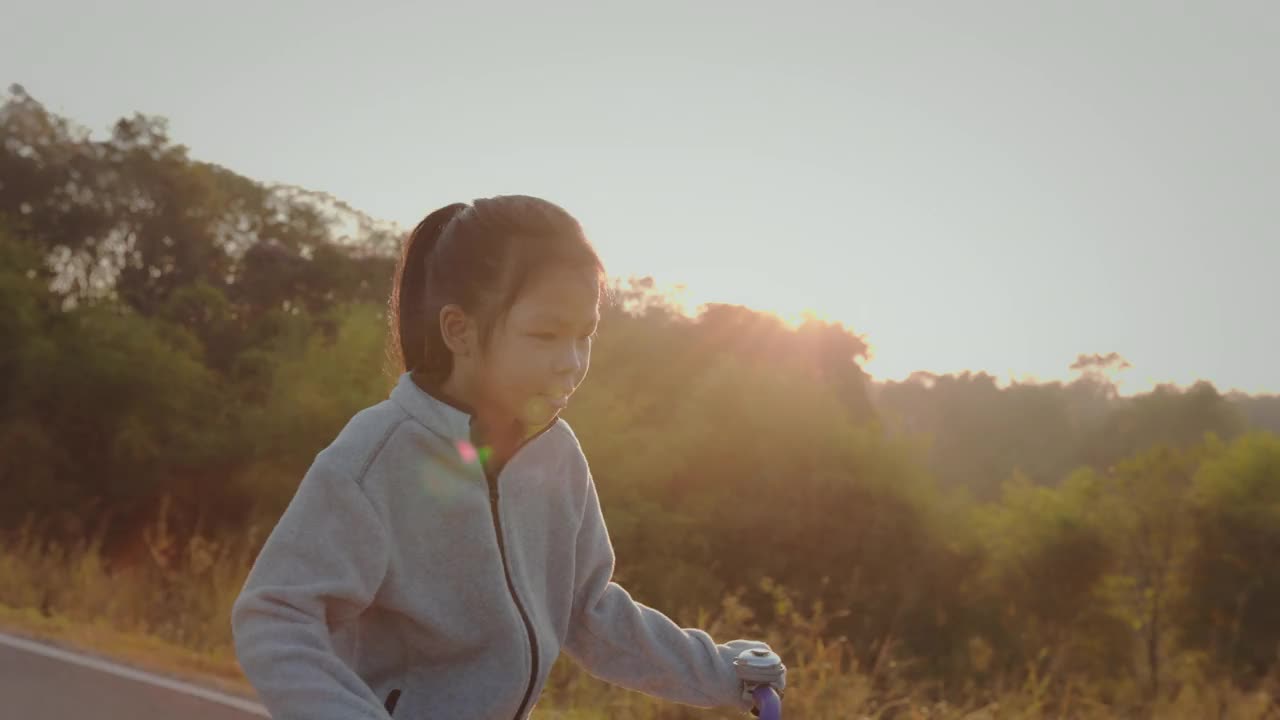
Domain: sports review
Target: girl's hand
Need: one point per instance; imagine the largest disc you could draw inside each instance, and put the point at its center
(760, 666)
(774, 677)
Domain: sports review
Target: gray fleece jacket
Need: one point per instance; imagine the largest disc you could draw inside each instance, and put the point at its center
(396, 572)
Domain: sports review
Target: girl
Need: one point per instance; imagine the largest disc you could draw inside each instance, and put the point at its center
(448, 545)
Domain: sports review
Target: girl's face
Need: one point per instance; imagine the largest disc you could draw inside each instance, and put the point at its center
(539, 351)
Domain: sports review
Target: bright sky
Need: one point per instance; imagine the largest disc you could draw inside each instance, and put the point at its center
(992, 186)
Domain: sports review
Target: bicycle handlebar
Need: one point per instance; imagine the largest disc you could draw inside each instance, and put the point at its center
(753, 665)
(768, 702)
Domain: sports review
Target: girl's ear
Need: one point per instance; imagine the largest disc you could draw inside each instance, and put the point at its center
(459, 331)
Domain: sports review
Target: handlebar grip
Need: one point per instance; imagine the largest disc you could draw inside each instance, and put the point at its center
(768, 703)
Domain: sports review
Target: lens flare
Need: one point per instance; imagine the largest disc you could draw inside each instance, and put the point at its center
(467, 451)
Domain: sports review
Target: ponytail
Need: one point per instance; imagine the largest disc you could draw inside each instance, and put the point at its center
(416, 331)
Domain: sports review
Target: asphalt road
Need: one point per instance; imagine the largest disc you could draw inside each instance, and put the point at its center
(41, 682)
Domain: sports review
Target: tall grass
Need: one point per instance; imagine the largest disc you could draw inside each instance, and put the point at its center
(177, 592)
(177, 596)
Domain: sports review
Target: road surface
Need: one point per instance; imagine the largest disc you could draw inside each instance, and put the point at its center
(41, 682)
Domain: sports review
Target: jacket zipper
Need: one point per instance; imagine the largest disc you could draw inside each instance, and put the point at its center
(492, 481)
(506, 571)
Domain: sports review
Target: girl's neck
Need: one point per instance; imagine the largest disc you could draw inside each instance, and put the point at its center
(490, 428)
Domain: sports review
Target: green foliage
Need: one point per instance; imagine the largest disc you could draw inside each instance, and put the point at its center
(979, 434)
(1234, 576)
(311, 392)
(1261, 412)
(1045, 556)
(122, 407)
(1144, 514)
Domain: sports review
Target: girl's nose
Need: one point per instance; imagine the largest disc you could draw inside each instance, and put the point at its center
(571, 360)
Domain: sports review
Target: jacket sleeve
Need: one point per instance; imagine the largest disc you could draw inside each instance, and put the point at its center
(623, 642)
(321, 564)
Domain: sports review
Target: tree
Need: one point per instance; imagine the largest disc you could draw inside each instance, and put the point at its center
(1233, 575)
(1145, 515)
(1046, 554)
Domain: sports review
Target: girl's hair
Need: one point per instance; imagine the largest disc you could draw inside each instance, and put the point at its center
(479, 257)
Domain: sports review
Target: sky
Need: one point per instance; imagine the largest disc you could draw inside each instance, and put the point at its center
(985, 186)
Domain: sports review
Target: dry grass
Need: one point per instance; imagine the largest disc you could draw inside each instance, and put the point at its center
(170, 612)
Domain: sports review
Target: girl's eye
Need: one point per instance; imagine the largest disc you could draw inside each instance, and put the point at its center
(550, 336)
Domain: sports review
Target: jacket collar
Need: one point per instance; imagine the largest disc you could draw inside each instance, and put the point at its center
(445, 417)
